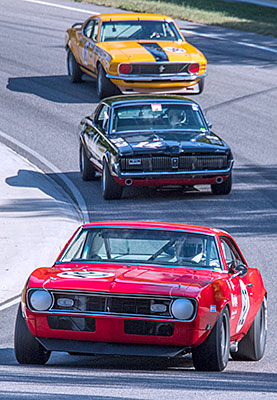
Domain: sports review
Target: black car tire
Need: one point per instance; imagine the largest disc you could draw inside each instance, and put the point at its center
(104, 86)
(213, 353)
(73, 69)
(111, 190)
(224, 187)
(87, 170)
(26, 347)
(252, 346)
(201, 85)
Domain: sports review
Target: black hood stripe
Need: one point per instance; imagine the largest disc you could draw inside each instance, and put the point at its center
(156, 50)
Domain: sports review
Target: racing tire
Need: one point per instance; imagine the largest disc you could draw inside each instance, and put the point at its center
(87, 170)
(111, 190)
(213, 353)
(104, 86)
(201, 85)
(73, 69)
(252, 346)
(224, 187)
(26, 347)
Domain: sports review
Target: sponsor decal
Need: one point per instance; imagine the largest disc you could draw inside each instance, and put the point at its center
(234, 298)
(213, 308)
(148, 145)
(119, 142)
(244, 305)
(156, 107)
(234, 313)
(174, 50)
(85, 274)
(156, 50)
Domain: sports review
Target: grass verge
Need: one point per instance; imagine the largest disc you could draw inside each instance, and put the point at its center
(242, 16)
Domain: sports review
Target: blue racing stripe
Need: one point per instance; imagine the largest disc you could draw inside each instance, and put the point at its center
(156, 50)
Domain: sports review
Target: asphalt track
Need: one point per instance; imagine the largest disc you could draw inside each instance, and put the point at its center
(40, 111)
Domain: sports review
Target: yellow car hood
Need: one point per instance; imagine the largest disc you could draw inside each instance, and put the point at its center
(149, 51)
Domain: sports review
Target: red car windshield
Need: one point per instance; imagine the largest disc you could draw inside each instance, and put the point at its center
(143, 246)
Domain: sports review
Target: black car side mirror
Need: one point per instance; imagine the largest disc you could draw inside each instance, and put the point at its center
(239, 270)
(210, 125)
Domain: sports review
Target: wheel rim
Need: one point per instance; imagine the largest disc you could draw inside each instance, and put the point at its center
(99, 82)
(104, 180)
(82, 161)
(262, 328)
(224, 339)
(70, 66)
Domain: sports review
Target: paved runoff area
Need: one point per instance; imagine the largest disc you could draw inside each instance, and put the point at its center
(36, 220)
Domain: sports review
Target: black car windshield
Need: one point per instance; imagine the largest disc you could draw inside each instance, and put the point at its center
(143, 246)
(138, 30)
(158, 116)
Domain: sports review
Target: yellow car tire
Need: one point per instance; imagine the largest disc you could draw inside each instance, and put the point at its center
(104, 86)
(73, 69)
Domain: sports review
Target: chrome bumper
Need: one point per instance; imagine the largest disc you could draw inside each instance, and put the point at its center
(153, 78)
(173, 174)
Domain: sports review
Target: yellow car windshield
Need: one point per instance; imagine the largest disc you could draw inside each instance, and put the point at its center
(138, 30)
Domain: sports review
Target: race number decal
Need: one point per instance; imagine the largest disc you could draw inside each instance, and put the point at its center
(85, 274)
(174, 50)
(244, 305)
(85, 53)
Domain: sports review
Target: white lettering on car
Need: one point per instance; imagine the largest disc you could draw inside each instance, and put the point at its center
(244, 306)
(85, 274)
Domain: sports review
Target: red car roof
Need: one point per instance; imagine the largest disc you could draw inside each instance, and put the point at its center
(151, 224)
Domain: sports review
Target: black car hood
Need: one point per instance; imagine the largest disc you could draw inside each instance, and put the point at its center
(167, 142)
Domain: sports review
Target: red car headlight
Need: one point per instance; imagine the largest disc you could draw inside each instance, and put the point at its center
(125, 69)
(193, 68)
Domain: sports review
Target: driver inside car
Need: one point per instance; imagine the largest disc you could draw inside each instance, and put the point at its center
(176, 118)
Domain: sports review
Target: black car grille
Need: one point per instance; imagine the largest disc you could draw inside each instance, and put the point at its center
(172, 163)
(117, 305)
(159, 68)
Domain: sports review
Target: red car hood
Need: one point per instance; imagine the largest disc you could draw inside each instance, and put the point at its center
(123, 279)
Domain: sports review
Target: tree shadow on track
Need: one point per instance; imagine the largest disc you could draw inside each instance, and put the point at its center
(40, 206)
(133, 374)
(56, 88)
(251, 207)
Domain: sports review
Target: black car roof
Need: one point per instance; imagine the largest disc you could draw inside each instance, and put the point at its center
(116, 100)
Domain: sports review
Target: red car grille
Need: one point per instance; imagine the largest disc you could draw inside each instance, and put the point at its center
(117, 305)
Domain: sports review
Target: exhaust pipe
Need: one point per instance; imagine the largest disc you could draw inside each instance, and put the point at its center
(128, 182)
(219, 179)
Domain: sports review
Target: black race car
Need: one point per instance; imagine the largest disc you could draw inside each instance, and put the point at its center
(149, 140)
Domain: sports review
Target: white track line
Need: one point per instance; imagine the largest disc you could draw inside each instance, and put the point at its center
(10, 303)
(45, 3)
(78, 196)
(183, 30)
(209, 36)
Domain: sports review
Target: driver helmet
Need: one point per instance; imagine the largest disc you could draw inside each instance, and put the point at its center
(176, 117)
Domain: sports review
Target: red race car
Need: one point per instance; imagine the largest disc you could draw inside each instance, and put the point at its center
(145, 289)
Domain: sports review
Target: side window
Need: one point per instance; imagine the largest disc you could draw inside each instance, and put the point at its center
(88, 29)
(102, 117)
(95, 31)
(232, 255)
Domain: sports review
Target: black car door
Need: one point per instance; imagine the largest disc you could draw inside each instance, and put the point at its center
(100, 143)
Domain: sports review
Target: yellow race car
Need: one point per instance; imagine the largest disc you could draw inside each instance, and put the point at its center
(135, 53)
